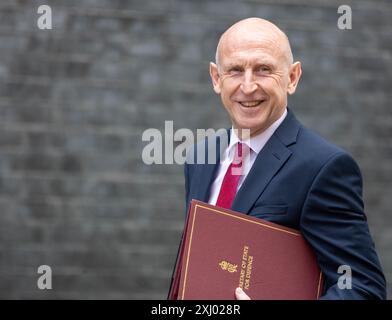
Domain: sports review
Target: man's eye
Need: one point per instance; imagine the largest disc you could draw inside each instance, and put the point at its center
(264, 69)
(235, 70)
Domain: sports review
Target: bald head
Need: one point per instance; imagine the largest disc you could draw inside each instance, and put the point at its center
(257, 31)
(254, 73)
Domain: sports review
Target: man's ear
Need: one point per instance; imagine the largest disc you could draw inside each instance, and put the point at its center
(294, 76)
(215, 77)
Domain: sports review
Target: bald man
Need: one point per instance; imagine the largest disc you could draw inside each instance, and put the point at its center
(292, 176)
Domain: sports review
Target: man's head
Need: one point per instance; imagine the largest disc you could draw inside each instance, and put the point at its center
(253, 73)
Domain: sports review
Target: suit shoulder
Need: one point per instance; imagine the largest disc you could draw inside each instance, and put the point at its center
(315, 147)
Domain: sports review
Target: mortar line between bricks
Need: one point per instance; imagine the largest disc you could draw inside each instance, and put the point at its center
(286, 24)
(44, 81)
(74, 129)
(87, 57)
(125, 248)
(102, 130)
(118, 176)
(323, 48)
(314, 4)
(163, 273)
(172, 13)
(82, 201)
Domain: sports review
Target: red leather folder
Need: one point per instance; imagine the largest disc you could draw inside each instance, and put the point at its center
(221, 250)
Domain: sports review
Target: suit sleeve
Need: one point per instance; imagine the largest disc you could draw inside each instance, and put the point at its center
(334, 223)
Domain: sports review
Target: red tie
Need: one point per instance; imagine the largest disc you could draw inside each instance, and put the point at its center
(230, 181)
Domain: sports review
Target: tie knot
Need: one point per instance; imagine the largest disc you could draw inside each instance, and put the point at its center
(241, 151)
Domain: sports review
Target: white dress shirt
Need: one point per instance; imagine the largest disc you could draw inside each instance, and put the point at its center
(255, 144)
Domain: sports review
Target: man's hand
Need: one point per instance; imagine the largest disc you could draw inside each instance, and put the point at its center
(241, 295)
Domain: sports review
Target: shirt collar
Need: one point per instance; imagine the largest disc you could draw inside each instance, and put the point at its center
(257, 142)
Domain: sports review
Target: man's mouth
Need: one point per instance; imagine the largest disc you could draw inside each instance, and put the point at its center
(250, 104)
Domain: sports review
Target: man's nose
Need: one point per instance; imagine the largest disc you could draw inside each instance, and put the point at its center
(248, 85)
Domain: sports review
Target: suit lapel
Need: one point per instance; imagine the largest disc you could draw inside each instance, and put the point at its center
(205, 181)
(206, 172)
(268, 162)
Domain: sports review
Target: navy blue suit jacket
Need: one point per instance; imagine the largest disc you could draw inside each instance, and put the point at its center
(301, 181)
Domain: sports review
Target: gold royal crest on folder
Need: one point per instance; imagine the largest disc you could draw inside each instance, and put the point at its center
(228, 266)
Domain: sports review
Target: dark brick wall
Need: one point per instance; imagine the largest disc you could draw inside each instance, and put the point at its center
(75, 100)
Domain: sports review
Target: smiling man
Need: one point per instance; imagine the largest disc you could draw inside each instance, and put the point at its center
(293, 176)
(253, 74)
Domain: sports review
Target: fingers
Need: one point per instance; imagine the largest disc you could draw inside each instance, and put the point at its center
(241, 295)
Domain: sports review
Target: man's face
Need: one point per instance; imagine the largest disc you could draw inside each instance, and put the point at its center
(253, 80)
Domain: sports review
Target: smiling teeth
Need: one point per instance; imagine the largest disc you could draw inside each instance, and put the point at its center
(250, 103)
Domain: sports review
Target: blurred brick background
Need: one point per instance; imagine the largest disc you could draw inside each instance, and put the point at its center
(75, 100)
